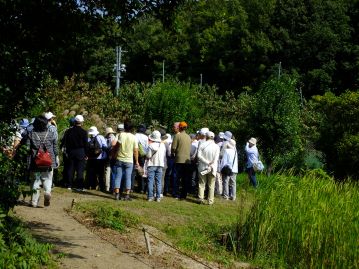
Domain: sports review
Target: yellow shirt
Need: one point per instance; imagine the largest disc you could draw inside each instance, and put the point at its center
(128, 143)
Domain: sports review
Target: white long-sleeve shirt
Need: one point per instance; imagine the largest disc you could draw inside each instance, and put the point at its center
(230, 158)
(208, 154)
(156, 154)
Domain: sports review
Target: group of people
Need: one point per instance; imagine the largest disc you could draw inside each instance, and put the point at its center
(127, 160)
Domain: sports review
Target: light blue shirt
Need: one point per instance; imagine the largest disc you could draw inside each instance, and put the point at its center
(252, 155)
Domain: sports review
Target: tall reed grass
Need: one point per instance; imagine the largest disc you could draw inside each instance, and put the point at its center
(306, 222)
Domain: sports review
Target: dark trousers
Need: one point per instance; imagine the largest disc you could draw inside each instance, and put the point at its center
(95, 173)
(77, 164)
(183, 173)
(252, 176)
(170, 176)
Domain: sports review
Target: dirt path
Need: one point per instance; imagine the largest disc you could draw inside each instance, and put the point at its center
(80, 245)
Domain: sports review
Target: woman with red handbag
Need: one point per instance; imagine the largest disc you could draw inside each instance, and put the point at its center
(43, 159)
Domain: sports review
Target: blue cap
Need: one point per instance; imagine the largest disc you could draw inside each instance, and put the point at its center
(24, 123)
(72, 121)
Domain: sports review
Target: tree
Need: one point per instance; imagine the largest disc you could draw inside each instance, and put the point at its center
(338, 132)
(276, 122)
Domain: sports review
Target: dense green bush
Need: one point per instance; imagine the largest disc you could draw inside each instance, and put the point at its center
(276, 122)
(10, 170)
(308, 222)
(336, 131)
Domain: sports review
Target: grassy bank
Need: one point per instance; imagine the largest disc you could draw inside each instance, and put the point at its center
(307, 222)
(193, 228)
(288, 222)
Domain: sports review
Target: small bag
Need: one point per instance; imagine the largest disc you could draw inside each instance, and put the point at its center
(226, 171)
(42, 158)
(258, 166)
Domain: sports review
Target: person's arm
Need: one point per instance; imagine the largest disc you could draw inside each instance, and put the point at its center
(174, 146)
(201, 157)
(135, 152)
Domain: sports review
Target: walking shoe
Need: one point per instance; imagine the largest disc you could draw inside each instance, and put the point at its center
(117, 196)
(127, 198)
(158, 200)
(47, 199)
(150, 200)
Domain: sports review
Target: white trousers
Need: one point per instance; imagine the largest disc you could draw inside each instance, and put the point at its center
(44, 178)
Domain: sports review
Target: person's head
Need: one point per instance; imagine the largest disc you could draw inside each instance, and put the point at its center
(49, 115)
(193, 137)
(120, 127)
(155, 136)
(40, 124)
(221, 135)
(217, 139)
(142, 129)
(252, 142)
(93, 131)
(227, 135)
(128, 126)
(23, 123)
(50, 118)
(175, 127)
(209, 135)
(203, 132)
(72, 121)
(109, 131)
(79, 119)
(182, 126)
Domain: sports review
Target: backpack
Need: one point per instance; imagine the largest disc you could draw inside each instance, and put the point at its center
(94, 148)
(141, 150)
(42, 158)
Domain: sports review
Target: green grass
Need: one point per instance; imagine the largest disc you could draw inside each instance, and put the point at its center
(18, 249)
(193, 228)
(307, 222)
(287, 222)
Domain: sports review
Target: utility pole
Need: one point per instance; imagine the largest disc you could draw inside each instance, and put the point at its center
(279, 69)
(119, 68)
(163, 71)
(200, 80)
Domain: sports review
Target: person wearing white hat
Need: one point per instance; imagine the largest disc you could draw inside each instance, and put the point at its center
(208, 154)
(156, 155)
(127, 157)
(96, 158)
(142, 140)
(75, 143)
(252, 158)
(230, 159)
(52, 126)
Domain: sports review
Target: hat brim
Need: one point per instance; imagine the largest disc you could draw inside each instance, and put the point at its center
(155, 139)
(93, 133)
